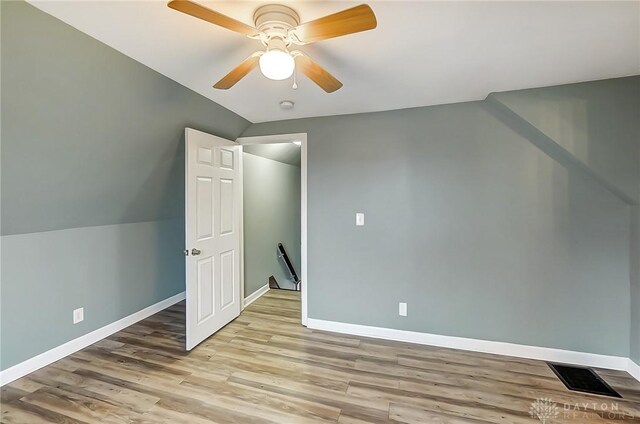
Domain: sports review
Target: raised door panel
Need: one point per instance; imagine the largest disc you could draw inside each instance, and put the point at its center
(227, 158)
(204, 208)
(206, 289)
(227, 279)
(226, 206)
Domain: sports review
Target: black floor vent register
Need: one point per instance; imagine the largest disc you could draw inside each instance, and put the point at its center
(581, 379)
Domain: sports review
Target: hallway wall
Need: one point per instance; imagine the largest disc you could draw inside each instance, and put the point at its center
(271, 216)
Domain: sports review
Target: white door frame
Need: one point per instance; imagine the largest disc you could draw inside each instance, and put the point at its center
(274, 139)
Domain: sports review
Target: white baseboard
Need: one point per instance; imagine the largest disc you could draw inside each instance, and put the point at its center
(484, 346)
(634, 370)
(30, 365)
(255, 296)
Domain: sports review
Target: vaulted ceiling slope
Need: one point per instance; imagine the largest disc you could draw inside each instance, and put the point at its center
(288, 153)
(422, 53)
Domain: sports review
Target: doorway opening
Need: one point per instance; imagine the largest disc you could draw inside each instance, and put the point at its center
(274, 203)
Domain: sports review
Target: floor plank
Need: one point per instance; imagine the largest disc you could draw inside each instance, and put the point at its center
(264, 367)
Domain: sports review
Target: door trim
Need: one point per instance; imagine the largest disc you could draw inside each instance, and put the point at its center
(274, 139)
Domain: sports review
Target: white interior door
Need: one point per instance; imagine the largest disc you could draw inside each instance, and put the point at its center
(213, 212)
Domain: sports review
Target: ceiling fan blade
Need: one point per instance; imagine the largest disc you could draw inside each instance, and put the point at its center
(317, 73)
(206, 14)
(238, 72)
(356, 19)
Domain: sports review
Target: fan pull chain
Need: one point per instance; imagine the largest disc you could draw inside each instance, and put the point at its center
(295, 81)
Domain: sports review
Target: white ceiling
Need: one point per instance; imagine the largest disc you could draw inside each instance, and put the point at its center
(422, 53)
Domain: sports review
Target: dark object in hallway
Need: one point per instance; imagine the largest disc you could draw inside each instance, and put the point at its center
(582, 379)
(292, 272)
(273, 284)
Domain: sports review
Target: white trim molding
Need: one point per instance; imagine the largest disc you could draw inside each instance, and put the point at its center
(255, 296)
(484, 346)
(634, 369)
(30, 365)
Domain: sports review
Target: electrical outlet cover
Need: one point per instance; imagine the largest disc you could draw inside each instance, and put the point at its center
(78, 315)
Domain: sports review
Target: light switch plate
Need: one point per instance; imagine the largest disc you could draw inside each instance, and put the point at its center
(360, 219)
(78, 315)
(402, 309)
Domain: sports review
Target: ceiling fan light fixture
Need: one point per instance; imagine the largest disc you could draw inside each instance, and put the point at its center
(277, 64)
(278, 27)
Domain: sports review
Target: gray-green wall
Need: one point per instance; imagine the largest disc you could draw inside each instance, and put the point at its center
(92, 181)
(597, 124)
(473, 216)
(481, 231)
(271, 216)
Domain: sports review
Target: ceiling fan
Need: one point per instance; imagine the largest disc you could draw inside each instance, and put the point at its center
(278, 28)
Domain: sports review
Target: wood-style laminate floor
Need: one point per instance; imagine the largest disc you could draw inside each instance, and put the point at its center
(266, 368)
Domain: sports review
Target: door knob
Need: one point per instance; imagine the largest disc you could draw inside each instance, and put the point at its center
(195, 252)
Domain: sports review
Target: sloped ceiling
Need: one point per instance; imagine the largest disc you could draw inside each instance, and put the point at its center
(288, 153)
(422, 53)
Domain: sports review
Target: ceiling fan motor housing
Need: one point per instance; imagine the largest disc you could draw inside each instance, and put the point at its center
(275, 20)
